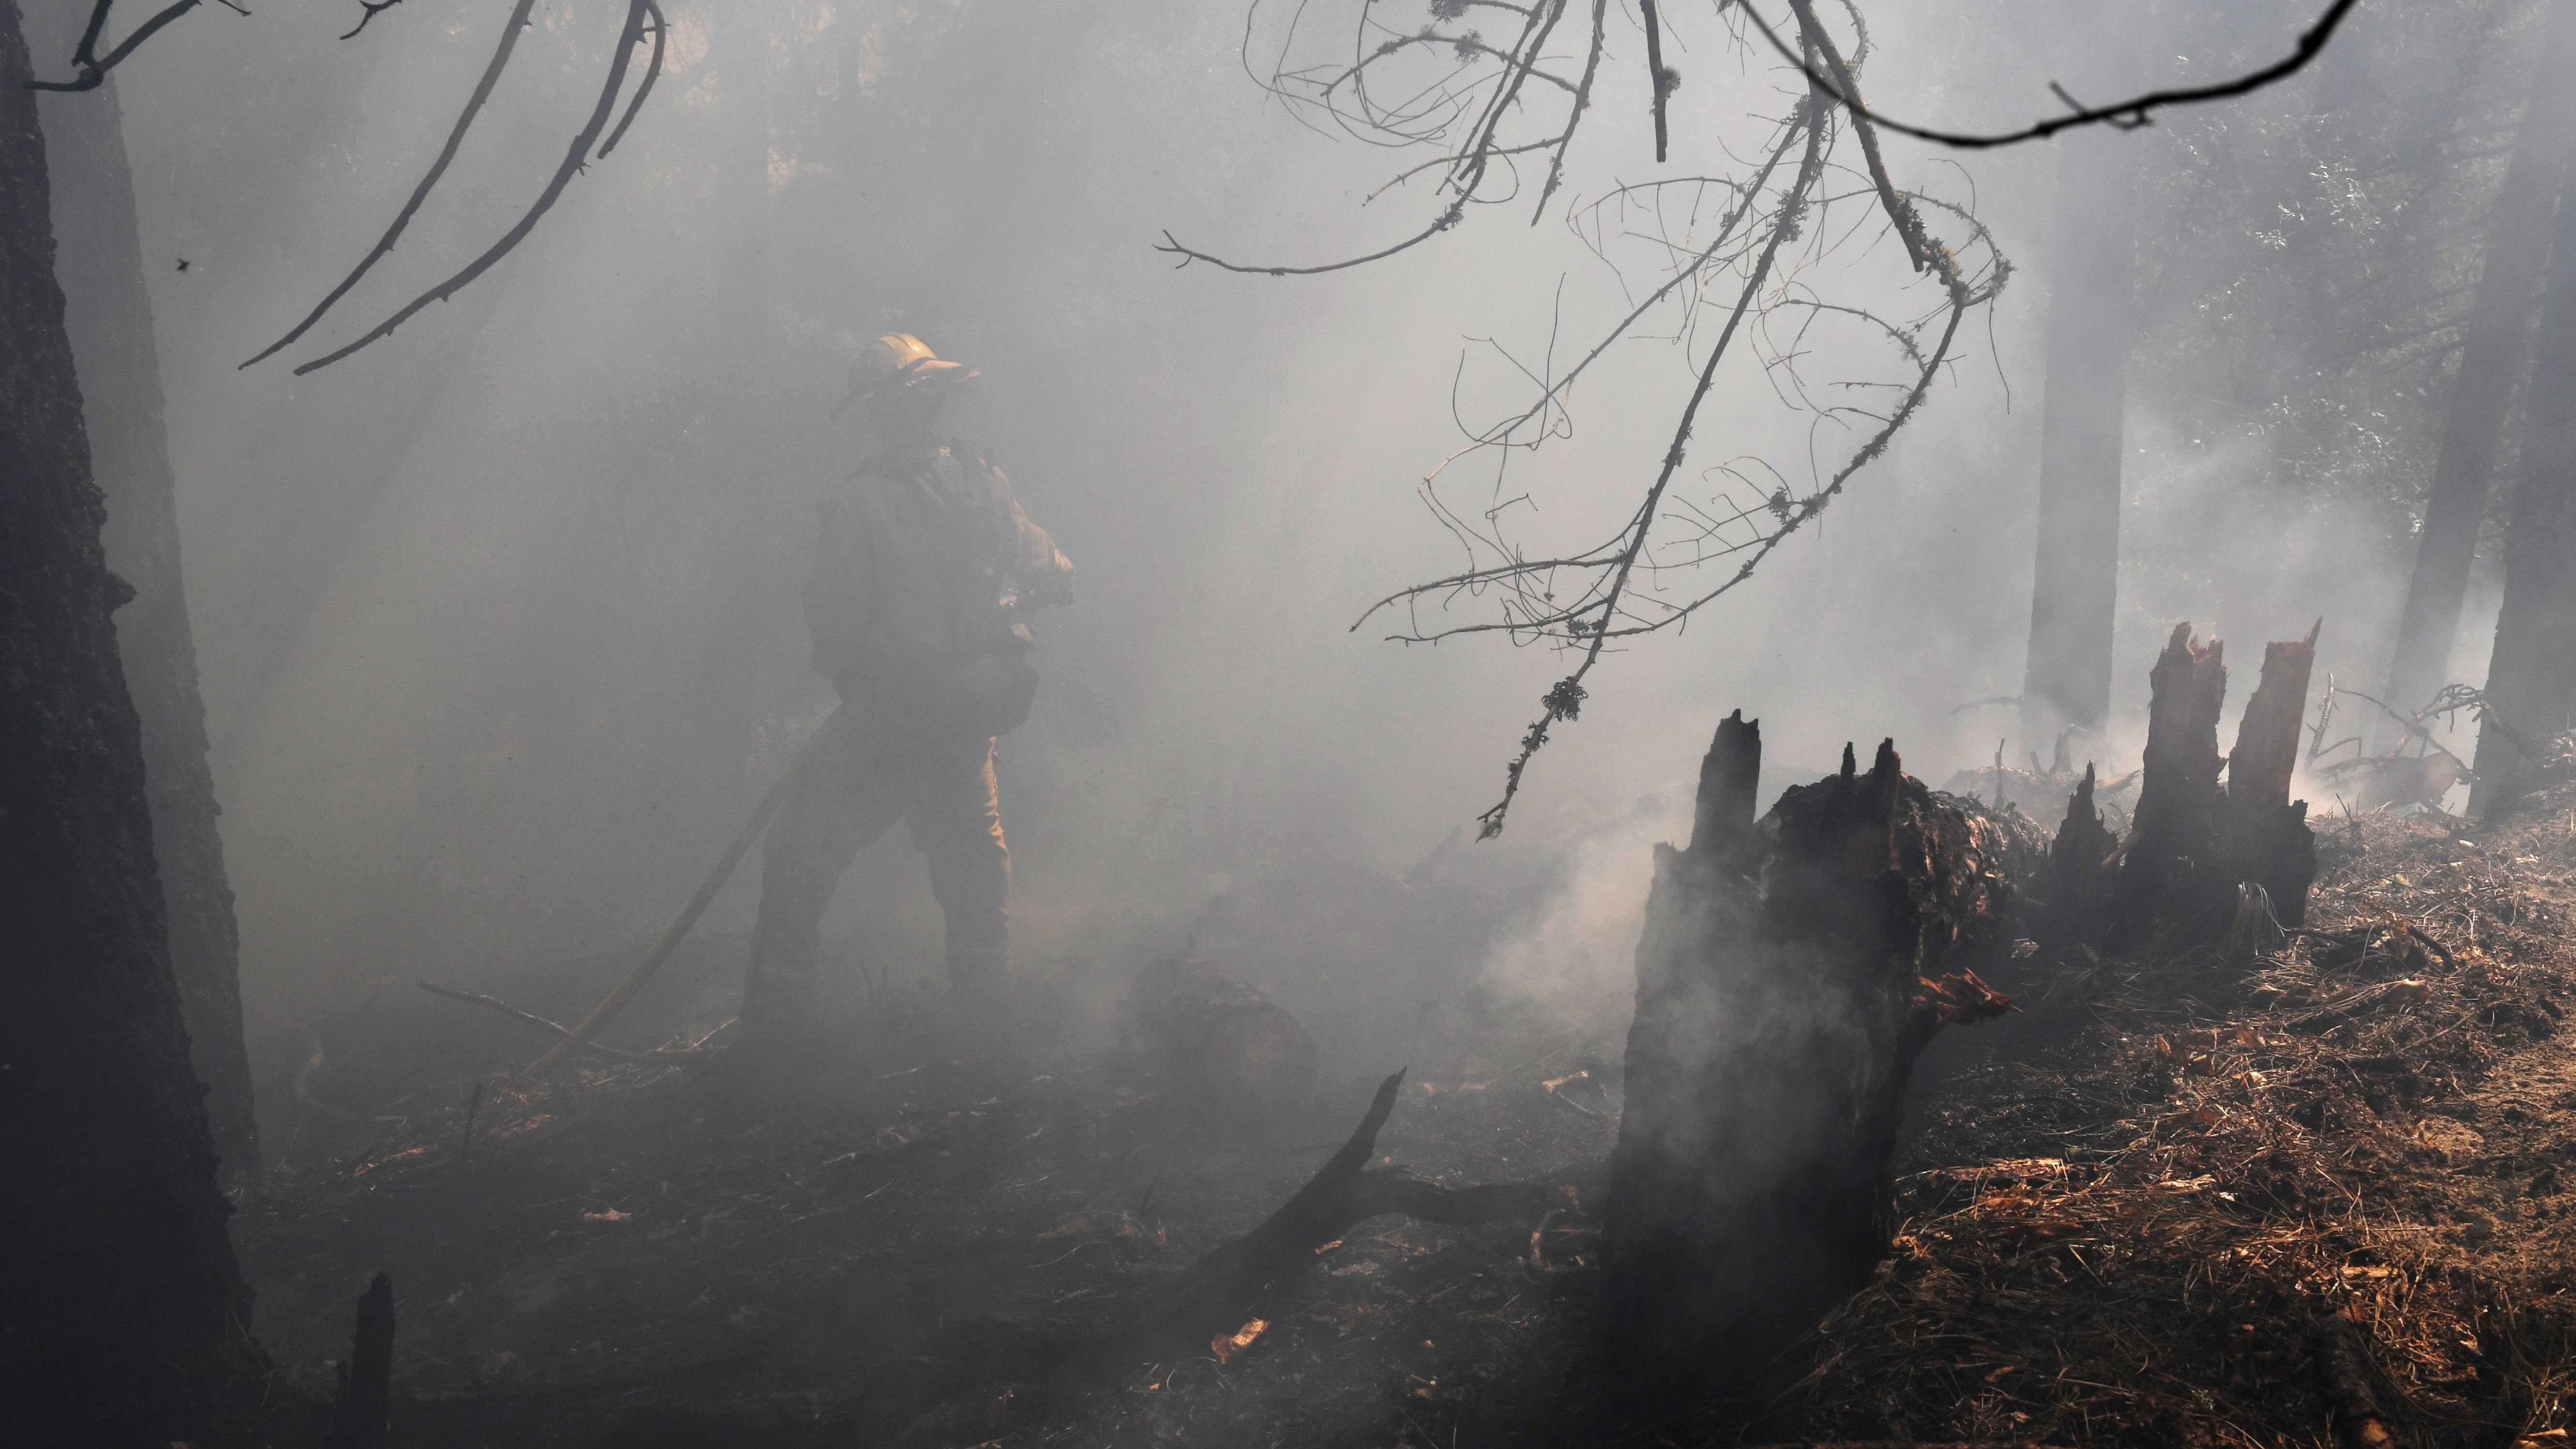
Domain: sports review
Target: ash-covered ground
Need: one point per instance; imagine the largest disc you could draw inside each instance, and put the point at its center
(2126, 1212)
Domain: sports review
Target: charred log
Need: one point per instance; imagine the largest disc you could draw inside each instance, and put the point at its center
(1226, 1043)
(1789, 975)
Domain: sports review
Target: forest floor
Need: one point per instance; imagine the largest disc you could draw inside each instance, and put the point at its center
(2127, 1211)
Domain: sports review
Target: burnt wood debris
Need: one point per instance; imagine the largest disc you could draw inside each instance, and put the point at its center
(1794, 967)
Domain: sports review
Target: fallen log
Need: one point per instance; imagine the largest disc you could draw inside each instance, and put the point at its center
(1789, 974)
(1228, 1045)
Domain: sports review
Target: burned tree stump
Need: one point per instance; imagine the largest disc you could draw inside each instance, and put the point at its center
(360, 1418)
(2263, 835)
(2074, 890)
(2191, 844)
(2170, 832)
(1789, 975)
(1235, 1049)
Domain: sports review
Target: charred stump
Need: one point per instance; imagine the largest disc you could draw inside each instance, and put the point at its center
(2192, 844)
(2170, 831)
(2074, 895)
(361, 1417)
(2263, 835)
(1789, 975)
(1226, 1043)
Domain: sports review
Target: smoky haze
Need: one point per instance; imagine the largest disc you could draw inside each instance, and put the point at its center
(498, 623)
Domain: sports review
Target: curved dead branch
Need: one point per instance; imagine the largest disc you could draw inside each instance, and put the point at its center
(2127, 114)
(455, 138)
(574, 156)
(643, 88)
(92, 68)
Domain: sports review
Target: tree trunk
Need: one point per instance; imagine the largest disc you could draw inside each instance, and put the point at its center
(99, 265)
(2074, 585)
(2499, 335)
(1788, 976)
(120, 1302)
(2531, 679)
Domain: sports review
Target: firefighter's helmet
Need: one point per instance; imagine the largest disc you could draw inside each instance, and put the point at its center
(898, 360)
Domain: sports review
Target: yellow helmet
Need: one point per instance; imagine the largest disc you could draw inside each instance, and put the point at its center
(898, 360)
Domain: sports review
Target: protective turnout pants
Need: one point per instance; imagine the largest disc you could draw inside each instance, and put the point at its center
(864, 775)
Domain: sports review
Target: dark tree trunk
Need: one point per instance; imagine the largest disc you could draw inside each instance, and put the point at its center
(99, 265)
(2531, 679)
(120, 1302)
(1789, 975)
(2499, 336)
(2074, 586)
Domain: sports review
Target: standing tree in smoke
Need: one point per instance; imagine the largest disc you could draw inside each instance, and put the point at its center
(121, 1307)
(99, 264)
(2497, 342)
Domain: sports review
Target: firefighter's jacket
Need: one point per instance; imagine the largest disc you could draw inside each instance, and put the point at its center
(925, 565)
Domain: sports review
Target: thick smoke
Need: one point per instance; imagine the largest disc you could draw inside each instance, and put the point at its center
(498, 619)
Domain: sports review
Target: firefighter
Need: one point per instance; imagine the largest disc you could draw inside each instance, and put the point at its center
(925, 572)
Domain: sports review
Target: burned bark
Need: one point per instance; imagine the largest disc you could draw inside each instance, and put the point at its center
(120, 1302)
(1227, 1044)
(99, 265)
(1789, 975)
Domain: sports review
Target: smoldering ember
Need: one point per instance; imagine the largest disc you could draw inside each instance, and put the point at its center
(1329, 723)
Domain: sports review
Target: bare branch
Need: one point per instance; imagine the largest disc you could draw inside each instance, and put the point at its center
(2125, 115)
(1656, 75)
(85, 58)
(1909, 227)
(573, 158)
(455, 138)
(652, 73)
(370, 10)
(1567, 697)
